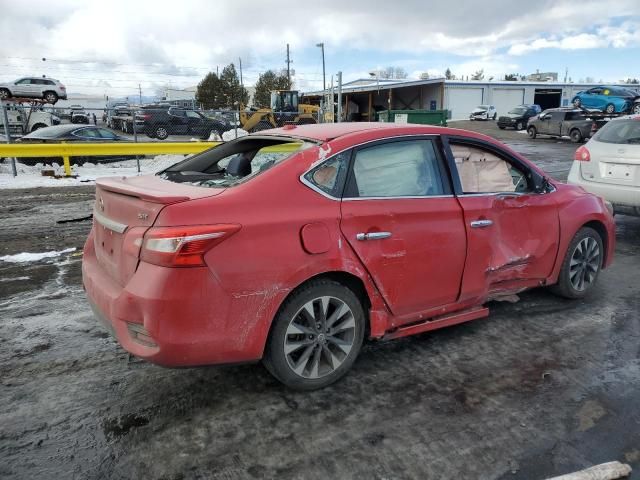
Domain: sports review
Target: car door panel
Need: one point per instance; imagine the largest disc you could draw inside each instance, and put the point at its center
(419, 266)
(512, 236)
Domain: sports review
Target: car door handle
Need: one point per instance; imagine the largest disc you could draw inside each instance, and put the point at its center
(373, 236)
(481, 223)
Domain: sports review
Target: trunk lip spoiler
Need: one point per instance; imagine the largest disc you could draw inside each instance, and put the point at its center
(108, 223)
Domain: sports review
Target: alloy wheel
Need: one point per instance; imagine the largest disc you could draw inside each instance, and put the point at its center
(319, 337)
(584, 265)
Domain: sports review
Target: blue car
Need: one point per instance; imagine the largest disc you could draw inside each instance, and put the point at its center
(606, 99)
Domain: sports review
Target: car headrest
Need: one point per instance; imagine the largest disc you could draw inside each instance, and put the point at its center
(239, 166)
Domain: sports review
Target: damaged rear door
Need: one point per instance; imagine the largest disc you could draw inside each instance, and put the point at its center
(512, 231)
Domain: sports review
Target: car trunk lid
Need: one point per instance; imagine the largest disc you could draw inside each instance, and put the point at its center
(124, 210)
(612, 163)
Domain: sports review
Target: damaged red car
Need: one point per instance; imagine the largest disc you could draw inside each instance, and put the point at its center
(295, 245)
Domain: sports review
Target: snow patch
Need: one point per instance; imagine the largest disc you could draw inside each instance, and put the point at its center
(231, 134)
(34, 257)
(30, 176)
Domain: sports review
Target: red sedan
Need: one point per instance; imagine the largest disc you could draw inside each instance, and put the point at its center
(293, 245)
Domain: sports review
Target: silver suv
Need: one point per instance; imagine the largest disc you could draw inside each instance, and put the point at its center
(49, 89)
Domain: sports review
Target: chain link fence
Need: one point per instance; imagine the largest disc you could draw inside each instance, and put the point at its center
(30, 122)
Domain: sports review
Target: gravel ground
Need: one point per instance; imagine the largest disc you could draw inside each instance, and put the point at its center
(542, 387)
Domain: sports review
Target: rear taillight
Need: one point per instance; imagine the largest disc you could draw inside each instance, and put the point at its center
(582, 155)
(183, 246)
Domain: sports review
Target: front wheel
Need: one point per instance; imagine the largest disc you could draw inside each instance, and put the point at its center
(636, 108)
(581, 265)
(610, 108)
(577, 102)
(316, 336)
(519, 126)
(531, 131)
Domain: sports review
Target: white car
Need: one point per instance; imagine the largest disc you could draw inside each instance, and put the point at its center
(483, 112)
(49, 89)
(609, 164)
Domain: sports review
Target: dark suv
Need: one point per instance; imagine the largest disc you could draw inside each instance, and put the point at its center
(161, 122)
(558, 122)
(517, 117)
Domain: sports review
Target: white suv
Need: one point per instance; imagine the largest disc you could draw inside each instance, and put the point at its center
(609, 164)
(50, 89)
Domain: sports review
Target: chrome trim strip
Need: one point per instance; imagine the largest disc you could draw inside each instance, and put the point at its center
(108, 223)
(355, 199)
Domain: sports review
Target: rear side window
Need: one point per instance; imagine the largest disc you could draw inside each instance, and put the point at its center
(397, 169)
(619, 131)
(330, 175)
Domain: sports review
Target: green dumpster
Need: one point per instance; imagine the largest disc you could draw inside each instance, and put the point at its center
(422, 117)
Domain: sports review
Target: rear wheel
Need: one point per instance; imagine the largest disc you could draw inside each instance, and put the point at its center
(577, 102)
(161, 133)
(636, 108)
(50, 97)
(581, 265)
(532, 132)
(4, 94)
(610, 108)
(519, 126)
(575, 135)
(316, 336)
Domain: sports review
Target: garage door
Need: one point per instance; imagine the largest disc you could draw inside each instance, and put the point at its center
(461, 101)
(504, 99)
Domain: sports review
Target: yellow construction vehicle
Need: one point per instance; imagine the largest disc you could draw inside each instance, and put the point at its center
(285, 110)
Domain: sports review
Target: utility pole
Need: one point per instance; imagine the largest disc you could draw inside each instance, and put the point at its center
(140, 93)
(339, 97)
(566, 74)
(289, 62)
(324, 82)
(240, 60)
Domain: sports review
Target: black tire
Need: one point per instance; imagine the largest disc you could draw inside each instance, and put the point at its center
(37, 126)
(4, 94)
(532, 132)
(636, 108)
(519, 125)
(610, 108)
(50, 97)
(494, 116)
(161, 133)
(565, 286)
(314, 339)
(575, 135)
(501, 127)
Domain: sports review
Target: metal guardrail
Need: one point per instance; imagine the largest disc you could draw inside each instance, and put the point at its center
(67, 150)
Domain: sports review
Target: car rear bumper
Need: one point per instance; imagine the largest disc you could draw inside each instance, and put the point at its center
(169, 316)
(624, 198)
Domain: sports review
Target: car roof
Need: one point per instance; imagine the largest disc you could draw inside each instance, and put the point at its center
(57, 130)
(324, 132)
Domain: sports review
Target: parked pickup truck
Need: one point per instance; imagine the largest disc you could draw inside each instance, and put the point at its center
(561, 122)
(23, 120)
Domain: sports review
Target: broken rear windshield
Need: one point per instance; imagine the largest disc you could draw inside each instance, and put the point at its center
(234, 162)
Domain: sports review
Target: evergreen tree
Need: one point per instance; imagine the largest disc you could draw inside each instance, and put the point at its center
(267, 82)
(448, 75)
(232, 91)
(209, 92)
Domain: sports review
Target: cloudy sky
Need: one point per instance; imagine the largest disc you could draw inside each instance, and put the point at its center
(111, 47)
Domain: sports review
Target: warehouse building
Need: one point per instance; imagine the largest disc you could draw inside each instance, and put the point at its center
(458, 97)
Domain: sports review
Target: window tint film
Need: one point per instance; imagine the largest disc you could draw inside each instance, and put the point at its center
(398, 169)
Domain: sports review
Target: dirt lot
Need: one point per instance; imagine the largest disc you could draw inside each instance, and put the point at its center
(542, 387)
